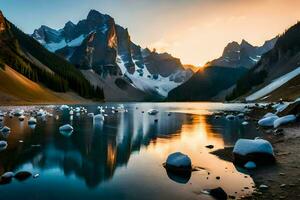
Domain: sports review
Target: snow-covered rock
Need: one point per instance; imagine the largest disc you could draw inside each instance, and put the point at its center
(245, 123)
(98, 118)
(241, 115)
(32, 121)
(5, 129)
(77, 109)
(269, 115)
(18, 112)
(259, 151)
(66, 127)
(21, 118)
(3, 145)
(64, 107)
(284, 120)
(178, 162)
(250, 165)
(8, 175)
(152, 112)
(268, 121)
(230, 117)
(41, 112)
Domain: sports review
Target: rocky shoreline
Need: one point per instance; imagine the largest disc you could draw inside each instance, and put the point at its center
(281, 180)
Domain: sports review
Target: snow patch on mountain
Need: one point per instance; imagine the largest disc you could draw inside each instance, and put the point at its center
(274, 85)
(146, 82)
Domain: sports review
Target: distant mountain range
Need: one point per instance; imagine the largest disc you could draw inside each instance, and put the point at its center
(276, 75)
(105, 54)
(242, 55)
(221, 74)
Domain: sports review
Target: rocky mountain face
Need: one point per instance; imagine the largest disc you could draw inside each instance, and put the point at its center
(206, 83)
(24, 61)
(283, 59)
(98, 44)
(243, 54)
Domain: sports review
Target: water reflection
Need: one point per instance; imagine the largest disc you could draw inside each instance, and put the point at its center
(130, 141)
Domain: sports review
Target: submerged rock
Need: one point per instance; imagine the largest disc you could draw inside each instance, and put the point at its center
(250, 165)
(5, 129)
(6, 177)
(90, 114)
(152, 112)
(66, 127)
(22, 176)
(98, 118)
(32, 121)
(230, 117)
(3, 145)
(259, 151)
(245, 123)
(21, 118)
(178, 162)
(218, 193)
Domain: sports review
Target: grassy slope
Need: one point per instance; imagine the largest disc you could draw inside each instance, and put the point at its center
(16, 88)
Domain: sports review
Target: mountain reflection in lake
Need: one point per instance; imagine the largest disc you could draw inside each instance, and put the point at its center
(121, 158)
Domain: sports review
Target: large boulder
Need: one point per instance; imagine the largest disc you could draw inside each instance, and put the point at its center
(178, 162)
(258, 151)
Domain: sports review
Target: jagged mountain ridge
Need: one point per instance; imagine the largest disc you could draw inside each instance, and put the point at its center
(281, 60)
(97, 43)
(206, 83)
(243, 54)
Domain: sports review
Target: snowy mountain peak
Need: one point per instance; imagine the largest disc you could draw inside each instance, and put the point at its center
(97, 43)
(242, 55)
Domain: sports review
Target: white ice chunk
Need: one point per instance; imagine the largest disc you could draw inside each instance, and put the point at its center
(246, 146)
(284, 120)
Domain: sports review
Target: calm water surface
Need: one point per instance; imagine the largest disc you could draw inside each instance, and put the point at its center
(122, 158)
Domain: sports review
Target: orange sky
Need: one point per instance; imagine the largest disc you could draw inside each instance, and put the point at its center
(206, 30)
(195, 31)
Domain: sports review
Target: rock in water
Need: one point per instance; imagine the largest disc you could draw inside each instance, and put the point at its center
(21, 118)
(64, 107)
(210, 146)
(284, 120)
(5, 129)
(178, 162)
(98, 118)
(22, 176)
(230, 117)
(259, 151)
(268, 121)
(6, 177)
(152, 112)
(250, 165)
(3, 145)
(66, 127)
(32, 121)
(245, 123)
(218, 193)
